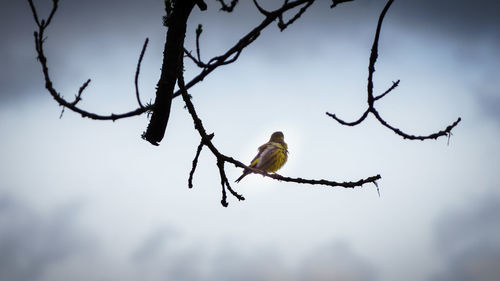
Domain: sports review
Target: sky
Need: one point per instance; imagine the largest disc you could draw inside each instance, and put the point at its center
(90, 200)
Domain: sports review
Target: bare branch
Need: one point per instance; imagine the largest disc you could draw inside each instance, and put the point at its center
(172, 57)
(195, 160)
(227, 8)
(35, 15)
(241, 44)
(349, 184)
(354, 123)
(335, 3)
(199, 30)
(51, 15)
(282, 25)
(225, 183)
(39, 41)
(137, 72)
(394, 85)
(221, 158)
(445, 132)
(371, 99)
(195, 60)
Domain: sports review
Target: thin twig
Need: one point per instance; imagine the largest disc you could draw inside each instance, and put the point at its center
(283, 25)
(195, 60)
(195, 161)
(241, 44)
(335, 3)
(227, 8)
(199, 30)
(394, 85)
(354, 123)
(137, 72)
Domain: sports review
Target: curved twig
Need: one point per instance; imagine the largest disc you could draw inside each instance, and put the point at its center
(39, 43)
(237, 48)
(137, 72)
(227, 8)
(221, 158)
(371, 99)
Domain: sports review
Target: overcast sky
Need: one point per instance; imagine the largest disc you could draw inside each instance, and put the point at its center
(90, 200)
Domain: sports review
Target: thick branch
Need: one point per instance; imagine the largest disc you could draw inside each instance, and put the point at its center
(172, 55)
(195, 161)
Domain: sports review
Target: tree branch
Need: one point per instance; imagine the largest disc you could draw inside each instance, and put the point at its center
(195, 161)
(221, 158)
(172, 55)
(232, 53)
(39, 44)
(137, 72)
(227, 8)
(335, 3)
(283, 25)
(371, 99)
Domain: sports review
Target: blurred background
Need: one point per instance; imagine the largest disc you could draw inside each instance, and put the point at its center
(90, 200)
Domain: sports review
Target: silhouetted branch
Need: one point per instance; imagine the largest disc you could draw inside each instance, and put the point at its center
(172, 73)
(195, 60)
(221, 158)
(335, 3)
(137, 72)
(371, 100)
(283, 25)
(227, 8)
(199, 30)
(195, 160)
(354, 123)
(39, 44)
(445, 132)
(172, 57)
(394, 85)
(232, 53)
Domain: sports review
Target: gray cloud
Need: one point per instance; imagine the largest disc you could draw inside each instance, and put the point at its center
(489, 101)
(227, 261)
(31, 243)
(336, 261)
(469, 242)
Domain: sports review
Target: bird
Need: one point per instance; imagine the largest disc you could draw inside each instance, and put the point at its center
(271, 156)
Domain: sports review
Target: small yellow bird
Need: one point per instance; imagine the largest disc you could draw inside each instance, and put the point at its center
(271, 156)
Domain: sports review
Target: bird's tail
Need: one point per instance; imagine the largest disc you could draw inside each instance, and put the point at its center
(242, 176)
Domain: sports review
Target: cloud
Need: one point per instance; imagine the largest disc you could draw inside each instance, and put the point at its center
(489, 104)
(469, 242)
(31, 243)
(336, 261)
(167, 260)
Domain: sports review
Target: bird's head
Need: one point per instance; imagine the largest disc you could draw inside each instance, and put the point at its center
(277, 137)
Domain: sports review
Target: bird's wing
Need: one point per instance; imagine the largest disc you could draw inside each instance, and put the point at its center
(263, 150)
(266, 153)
